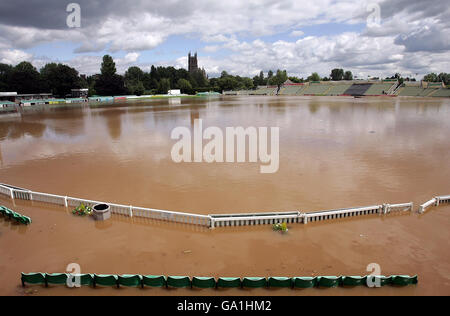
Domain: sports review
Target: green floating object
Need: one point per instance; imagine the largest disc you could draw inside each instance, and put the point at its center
(56, 278)
(305, 282)
(254, 282)
(84, 279)
(105, 280)
(204, 282)
(19, 218)
(353, 280)
(380, 280)
(25, 220)
(130, 280)
(178, 281)
(404, 280)
(8, 212)
(328, 281)
(33, 278)
(280, 282)
(229, 282)
(153, 280)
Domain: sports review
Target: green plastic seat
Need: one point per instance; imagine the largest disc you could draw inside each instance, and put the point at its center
(56, 278)
(16, 217)
(305, 282)
(404, 280)
(380, 279)
(328, 281)
(130, 280)
(229, 282)
(153, 280)
(8, 212)
(254, 282)
(84, 279)
(204, 282)
(2, 210)
(353, 280)
(105, 280)
(178, 281)
(280, 282)
(33, 278)
(25, 220)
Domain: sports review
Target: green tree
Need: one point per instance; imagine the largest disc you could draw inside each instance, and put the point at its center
(279, 78)
(109, 83)
(184, 85)
(24, 78)
(314, 77)
(348, 75)
(337, 74)
(59, 79)
(164, 86)
(108, 67)
(5, 71)
(133, 80)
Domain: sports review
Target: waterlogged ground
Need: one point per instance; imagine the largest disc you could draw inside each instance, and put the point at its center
(334, 152)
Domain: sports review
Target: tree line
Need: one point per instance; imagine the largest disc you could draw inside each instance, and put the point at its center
(59, 79)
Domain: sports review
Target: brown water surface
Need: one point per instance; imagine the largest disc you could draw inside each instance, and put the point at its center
(334, 152)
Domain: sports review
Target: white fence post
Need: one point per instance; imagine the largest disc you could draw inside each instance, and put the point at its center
(12, 193)
(131, 211)
(65, 201)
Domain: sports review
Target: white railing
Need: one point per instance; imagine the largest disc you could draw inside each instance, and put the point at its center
(436, 201)
(218, 220)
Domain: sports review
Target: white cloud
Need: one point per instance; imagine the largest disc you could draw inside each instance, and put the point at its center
(297, 33)
(13, 56)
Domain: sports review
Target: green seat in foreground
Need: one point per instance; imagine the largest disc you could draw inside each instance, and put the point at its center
(178, 281)
(353, 280)
(105, 280)
(84, 279)
(328, 281)
(280, 282)
(204, 282)
(130, 280)
(305, 282)
(404, 280)
(254, 282)
(153, 280)
(376, 280)
(33, 278)
(229, 282)
(25, 220)
(56, 278)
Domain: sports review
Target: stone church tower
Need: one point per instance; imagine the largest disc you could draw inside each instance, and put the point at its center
(192, 63)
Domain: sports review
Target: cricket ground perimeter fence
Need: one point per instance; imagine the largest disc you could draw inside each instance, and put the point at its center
(219, 220)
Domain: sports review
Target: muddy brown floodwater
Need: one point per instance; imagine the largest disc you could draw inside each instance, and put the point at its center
(334, 152)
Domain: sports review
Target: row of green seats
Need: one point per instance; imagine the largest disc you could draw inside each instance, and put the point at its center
(16, 216)
(136, 280)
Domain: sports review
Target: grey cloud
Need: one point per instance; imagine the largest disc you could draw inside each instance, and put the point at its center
(428, 39)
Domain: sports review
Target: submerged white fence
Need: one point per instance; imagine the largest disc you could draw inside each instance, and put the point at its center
(434, 202)
(219, 220)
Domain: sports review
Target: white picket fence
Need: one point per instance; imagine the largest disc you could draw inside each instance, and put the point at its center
(219, 220)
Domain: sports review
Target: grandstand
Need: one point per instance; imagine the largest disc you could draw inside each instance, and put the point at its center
(442, 93)
(339, 89)
(291, 89)
(316, 88)
(352, 88)
(381, 88)
(264, 90)
(358, 89)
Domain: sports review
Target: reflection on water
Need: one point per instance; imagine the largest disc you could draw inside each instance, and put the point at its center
(334, 152)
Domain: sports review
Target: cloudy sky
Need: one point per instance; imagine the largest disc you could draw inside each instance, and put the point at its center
(368, 37)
